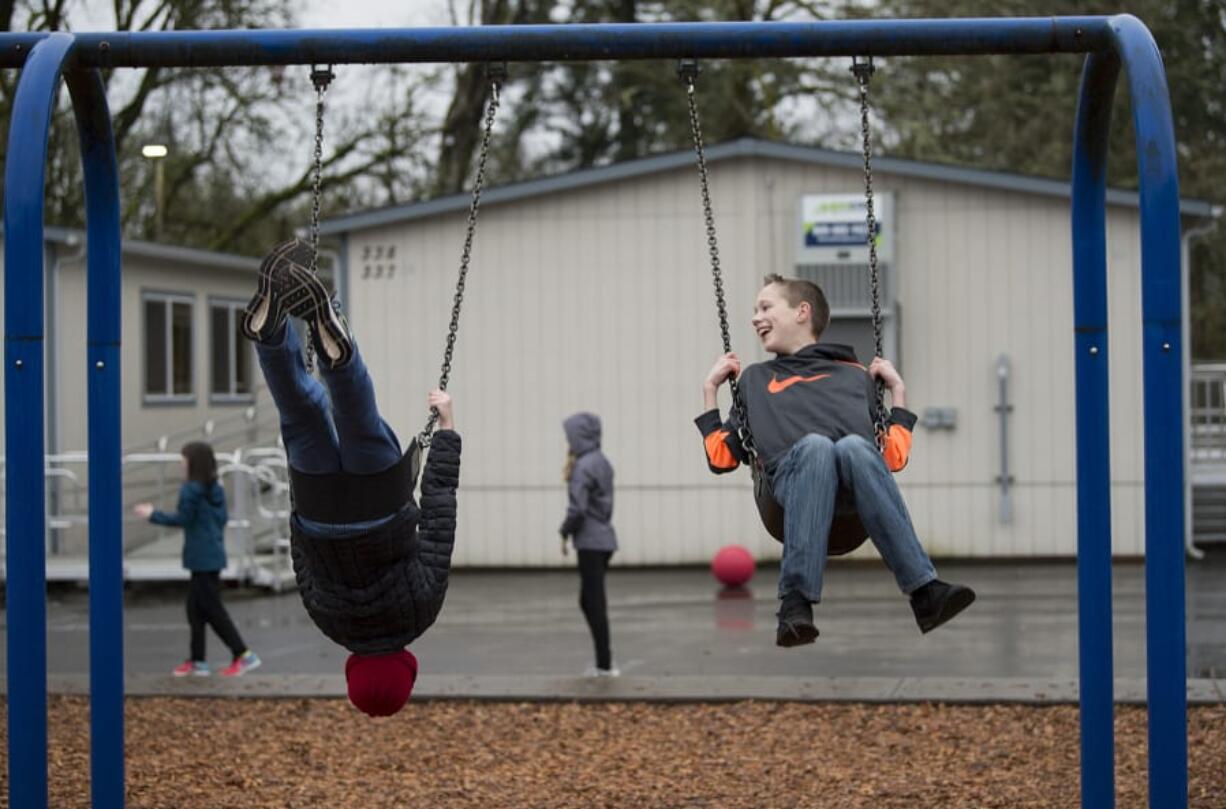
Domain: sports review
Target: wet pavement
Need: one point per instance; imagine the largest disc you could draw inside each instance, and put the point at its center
(677, 623)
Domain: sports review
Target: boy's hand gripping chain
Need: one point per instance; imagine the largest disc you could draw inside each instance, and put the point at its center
(497, 74)
(863, 71)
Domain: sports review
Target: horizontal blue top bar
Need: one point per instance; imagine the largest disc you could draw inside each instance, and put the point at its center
(533, 43)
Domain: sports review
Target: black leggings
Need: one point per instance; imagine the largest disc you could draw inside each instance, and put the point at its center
(204, 607)
(592, 567)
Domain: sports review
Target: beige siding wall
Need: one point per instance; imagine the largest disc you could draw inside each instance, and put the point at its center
(601, 299)
(983, 273)
(582, 301)
(143, 422)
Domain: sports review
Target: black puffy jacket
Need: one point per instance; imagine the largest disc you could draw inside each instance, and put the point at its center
(378, 592)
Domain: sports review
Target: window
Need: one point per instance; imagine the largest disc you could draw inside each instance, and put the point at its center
(168, 347)
(230, 353)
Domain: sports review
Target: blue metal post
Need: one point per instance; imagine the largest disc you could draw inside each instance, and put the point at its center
(106, 656)
(23, 380)
(1162, 352)
(1093, 431)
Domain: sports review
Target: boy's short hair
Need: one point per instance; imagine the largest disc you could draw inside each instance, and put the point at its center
(797, 291)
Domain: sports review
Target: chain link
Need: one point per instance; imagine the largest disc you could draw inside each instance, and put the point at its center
(863, 72)
(321, 78)
(497, 77)
(688, 71)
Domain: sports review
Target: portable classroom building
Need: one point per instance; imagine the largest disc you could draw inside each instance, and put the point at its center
(591, 290)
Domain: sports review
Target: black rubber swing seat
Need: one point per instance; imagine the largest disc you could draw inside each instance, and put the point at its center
(341, 497)
(846, 531)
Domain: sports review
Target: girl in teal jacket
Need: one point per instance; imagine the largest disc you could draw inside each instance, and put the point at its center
(201, 514)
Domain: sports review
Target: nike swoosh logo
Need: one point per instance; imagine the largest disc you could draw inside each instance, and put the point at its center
(777, 386)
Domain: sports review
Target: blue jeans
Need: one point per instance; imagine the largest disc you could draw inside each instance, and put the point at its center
(806, 484)
(337, 429)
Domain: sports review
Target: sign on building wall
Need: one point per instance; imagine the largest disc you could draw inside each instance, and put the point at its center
(833, 228)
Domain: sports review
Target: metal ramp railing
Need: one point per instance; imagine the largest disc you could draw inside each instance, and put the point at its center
(257, 534)
(1207, 449)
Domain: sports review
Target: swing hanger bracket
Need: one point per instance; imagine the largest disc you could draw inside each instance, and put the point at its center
(496, 72)
(688, 70)
(321, 77)
(862, 68)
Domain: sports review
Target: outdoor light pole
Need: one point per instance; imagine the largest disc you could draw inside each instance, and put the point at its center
(156, 152)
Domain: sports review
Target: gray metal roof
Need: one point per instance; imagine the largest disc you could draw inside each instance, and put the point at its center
(72, 238)
(744, 147)
(164, 252)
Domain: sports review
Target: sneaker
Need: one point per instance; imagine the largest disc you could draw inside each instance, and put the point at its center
(309, 299)
(265, 314)
(193, 668)
(937, 601)
(796, 626)
(242, 664)
(596, 671)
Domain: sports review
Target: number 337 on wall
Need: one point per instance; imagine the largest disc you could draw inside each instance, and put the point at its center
(378, 262)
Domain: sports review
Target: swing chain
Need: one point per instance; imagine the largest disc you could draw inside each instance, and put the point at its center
(321, 77)
(688, 70)
(863, 71)
(497, 74)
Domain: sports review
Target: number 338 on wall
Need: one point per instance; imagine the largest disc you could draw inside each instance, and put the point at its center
(378, 262)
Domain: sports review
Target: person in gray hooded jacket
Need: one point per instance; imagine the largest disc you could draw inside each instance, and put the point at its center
(589, 477)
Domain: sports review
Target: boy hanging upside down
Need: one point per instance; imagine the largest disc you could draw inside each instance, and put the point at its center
(810, 412)
(372, 568)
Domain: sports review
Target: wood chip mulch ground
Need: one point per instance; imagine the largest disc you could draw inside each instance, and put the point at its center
(322, 753)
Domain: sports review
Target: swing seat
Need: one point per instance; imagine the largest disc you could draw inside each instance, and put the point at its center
(846, 531)
(341, 497)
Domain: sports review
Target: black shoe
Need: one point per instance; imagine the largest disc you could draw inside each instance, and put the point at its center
(937, 601)
(306, 297)
(795, 622)
(265, 314)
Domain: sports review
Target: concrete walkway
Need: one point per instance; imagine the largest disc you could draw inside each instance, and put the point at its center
(715, 688)
(676, 636)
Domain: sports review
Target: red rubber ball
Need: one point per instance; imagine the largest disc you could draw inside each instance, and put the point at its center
(732, 566)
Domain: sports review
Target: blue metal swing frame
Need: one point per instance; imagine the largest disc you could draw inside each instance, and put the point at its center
(1111, 43)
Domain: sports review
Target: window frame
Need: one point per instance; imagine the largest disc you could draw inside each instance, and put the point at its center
(168, 298)
(233, 307)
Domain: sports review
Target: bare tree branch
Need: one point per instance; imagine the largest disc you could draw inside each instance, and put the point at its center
(270, 201)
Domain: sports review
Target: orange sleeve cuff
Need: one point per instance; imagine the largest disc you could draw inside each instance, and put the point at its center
(897, 447)
(718, 453)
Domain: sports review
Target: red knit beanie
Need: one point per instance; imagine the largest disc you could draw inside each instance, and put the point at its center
(379, 685)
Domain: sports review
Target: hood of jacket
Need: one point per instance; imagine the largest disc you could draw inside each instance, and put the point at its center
(838, 352)
(582, 433)
(214, 493)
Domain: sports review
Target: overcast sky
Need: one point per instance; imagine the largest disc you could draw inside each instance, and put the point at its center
(98, 16)
(372, 13)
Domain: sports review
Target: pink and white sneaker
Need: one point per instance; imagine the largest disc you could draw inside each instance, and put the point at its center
(192, 668)
(242, 664)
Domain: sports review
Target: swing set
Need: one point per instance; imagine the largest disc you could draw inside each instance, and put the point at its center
(1110, 44)
(846, 531)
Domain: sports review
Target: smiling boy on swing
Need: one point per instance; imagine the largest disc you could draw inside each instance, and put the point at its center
(811, 414)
